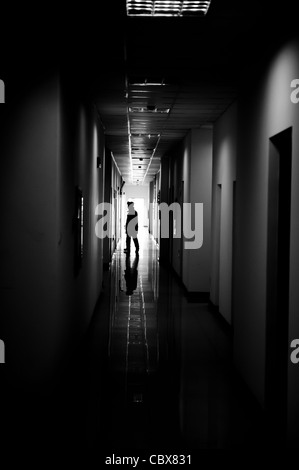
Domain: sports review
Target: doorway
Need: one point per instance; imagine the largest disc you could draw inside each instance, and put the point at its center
(234, 238)
(278, 266)
(141, 209)
(217, 245)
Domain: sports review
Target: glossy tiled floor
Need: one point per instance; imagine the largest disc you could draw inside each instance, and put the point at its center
(154, 374)
(158, 369)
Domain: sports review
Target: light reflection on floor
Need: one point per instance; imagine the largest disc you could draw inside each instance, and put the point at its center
(167, 380)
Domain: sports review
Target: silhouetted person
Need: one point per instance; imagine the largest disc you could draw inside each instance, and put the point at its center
(131, 274)
(131, 228)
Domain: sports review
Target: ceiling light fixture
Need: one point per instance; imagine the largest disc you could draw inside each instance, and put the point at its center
(134, 134)
(148, 109)
(147, 82)
(167, 8)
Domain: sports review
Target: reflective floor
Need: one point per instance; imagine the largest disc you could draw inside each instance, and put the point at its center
(154, 373)
(157, 372)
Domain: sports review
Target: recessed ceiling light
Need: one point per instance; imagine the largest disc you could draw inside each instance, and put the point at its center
(167, 8)
(134, 134)
(147, 82)
(148, 109)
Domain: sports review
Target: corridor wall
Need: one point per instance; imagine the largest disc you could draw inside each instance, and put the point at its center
(265, 109)
(49, 148)
(82, 147)
(224, 176)
(198, 189)
(190, 181)
(29, 234)
(154, 189)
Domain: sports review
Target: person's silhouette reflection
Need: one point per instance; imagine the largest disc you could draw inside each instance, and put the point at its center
(131, 274)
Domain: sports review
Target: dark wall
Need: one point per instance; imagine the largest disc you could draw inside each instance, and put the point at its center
(223, 216)
(187, 179)
(49, 145)
(265, 110)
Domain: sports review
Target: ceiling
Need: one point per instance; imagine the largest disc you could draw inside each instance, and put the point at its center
(192, 58)
(199, 60)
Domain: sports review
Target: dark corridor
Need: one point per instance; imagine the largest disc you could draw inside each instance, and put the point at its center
(156, 372)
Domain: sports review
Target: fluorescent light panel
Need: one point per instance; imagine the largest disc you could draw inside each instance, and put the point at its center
(167, 8)
(134, 134)
(142, 109)
(147, 82)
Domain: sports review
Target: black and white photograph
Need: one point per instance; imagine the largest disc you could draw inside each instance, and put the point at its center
(149, 310)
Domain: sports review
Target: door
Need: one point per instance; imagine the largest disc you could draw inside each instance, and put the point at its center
(278, 266)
